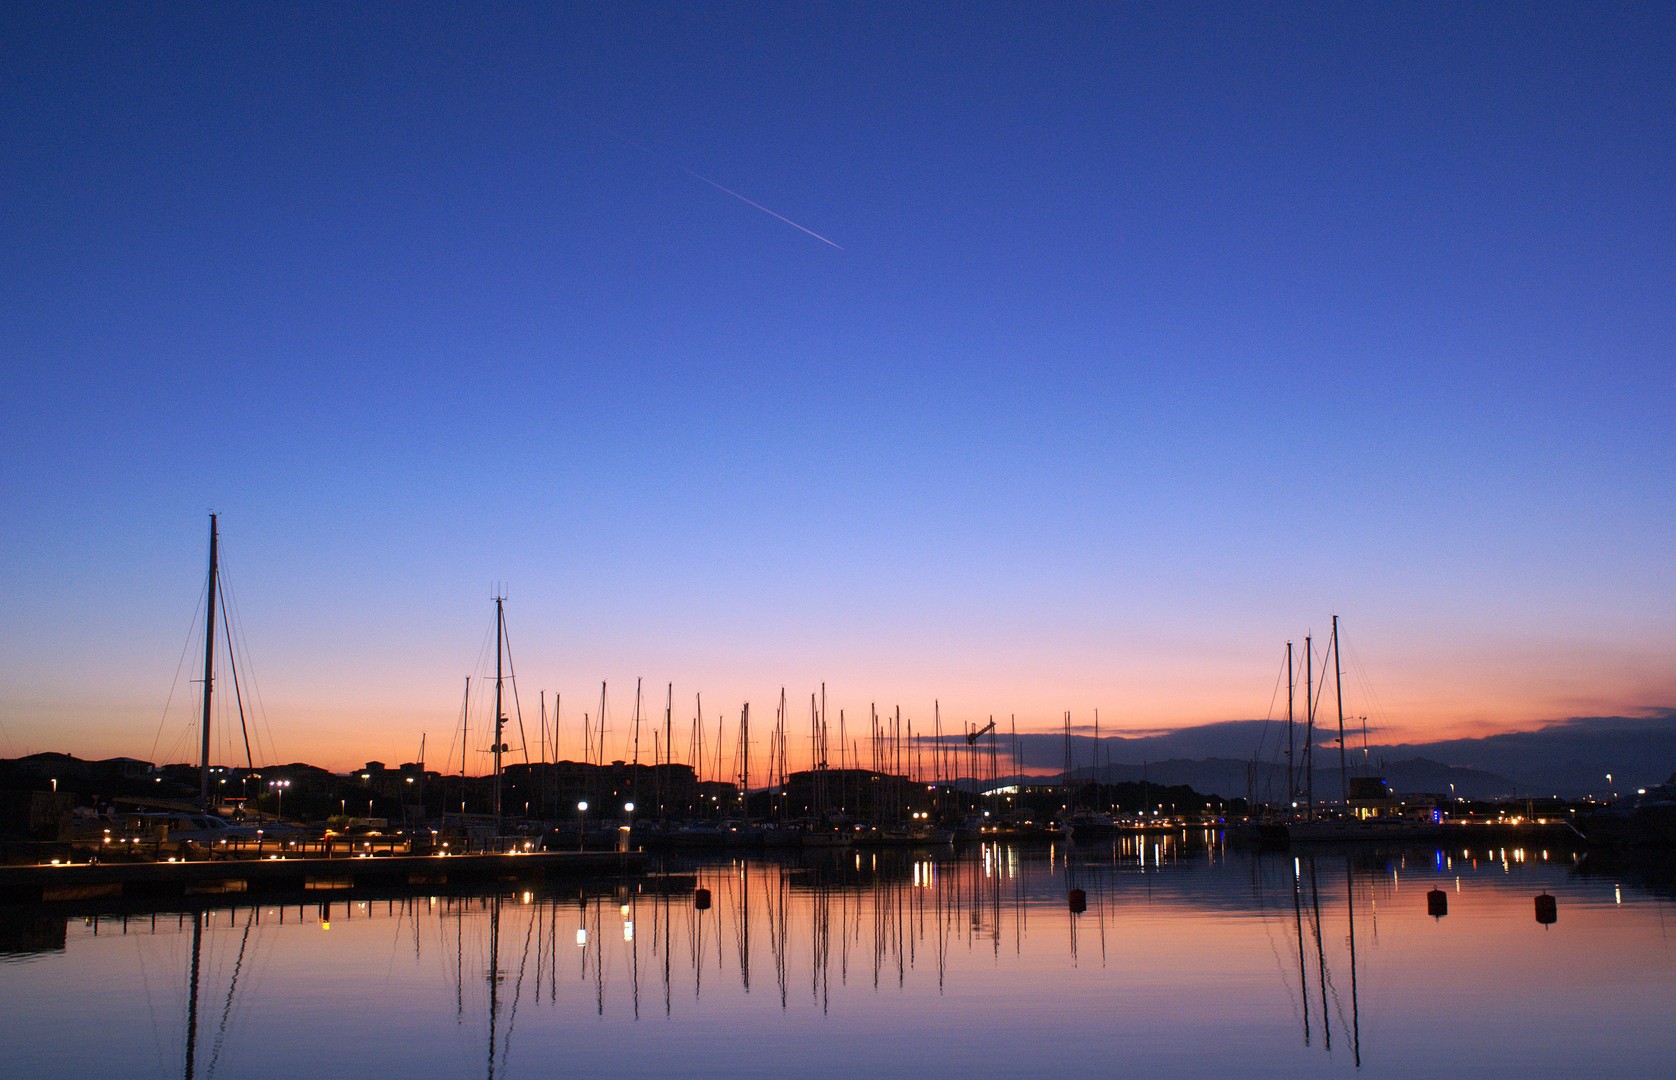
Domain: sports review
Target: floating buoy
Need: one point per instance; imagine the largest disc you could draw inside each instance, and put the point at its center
(701, 899)
(1079, 901)
(1547, 910)
(1437, 903)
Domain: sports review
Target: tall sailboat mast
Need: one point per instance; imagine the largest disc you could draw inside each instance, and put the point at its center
(1291, 692)
(500, 718)
(209, 673)
(745, 761)
(1338, 689)
(1309, 725)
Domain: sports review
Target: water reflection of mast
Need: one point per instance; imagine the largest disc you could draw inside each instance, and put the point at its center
(518, 986)
(1321, 956)
(629, 932)
(459, 963)
(1355, 1008)
(1298, 922)
(880, 928)
(777, 931)
(1323, 971)
(232, 988)
(1070, 885)
(494, 979)
(820, 940)
(742, 931)
(844, 937)
(1100, 908)
(599, 960)
(192, 995)
(695, 947)
(1003, 867)
(664, 905)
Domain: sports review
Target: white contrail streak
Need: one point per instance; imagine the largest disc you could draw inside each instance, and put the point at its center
(761, 207)
(700, 176)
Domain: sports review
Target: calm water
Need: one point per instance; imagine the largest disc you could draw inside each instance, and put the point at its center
(1190, 960)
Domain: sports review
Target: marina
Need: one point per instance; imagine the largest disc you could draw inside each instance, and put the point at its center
(883, 542)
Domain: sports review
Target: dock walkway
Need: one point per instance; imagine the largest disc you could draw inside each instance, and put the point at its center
(49, 883)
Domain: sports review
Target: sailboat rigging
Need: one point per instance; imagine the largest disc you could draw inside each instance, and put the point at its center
(216, 618)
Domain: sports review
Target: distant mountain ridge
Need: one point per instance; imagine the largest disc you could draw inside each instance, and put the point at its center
(1570, 758)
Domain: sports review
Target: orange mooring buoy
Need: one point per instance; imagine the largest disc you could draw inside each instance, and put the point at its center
(1437, 903)
(1547, 910)
(1079, 901)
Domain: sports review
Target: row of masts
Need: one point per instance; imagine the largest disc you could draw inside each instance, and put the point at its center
(894, 747)
(1300, 768)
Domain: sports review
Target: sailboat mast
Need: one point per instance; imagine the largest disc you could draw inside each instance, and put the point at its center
(465, 741)
(599, 744)
(1068, 763)
(1338, 689)
(637, 724)
(634, 770)
(1309, 725)
(500, 635)
(1291, 691)
(668, 747)
(209, 673)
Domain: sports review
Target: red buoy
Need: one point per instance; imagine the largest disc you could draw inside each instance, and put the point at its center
(701, 899)
(1437, 903)
(1547, 910)
(1079, 901)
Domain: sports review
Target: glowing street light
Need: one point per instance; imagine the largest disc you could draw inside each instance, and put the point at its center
(581, 819)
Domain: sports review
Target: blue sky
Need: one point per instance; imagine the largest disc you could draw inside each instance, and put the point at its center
(1157, 334)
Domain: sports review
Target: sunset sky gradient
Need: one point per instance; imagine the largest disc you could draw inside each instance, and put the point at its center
(1158, 334)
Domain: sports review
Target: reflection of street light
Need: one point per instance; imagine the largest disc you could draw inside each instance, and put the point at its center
(581, 815)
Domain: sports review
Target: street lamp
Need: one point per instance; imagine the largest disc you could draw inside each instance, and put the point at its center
(581, 816)
(279, 787)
